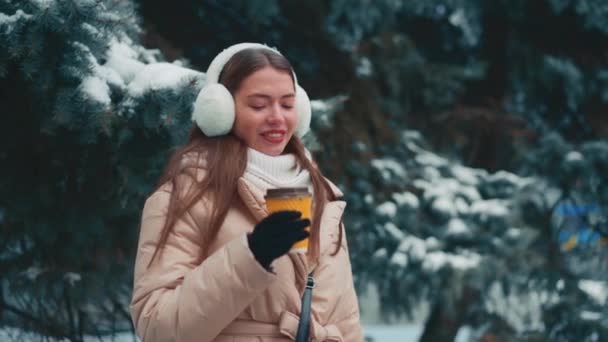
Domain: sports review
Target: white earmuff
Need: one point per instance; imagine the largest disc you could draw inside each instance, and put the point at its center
(213, 109)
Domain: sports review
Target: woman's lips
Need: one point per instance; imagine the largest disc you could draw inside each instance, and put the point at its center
(274, 137)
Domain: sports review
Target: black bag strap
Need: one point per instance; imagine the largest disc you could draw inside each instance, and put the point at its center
(304, 325)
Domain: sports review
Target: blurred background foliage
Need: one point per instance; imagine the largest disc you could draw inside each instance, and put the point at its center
(469, 137)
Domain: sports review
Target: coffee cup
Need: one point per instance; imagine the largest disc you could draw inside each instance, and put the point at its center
(298, 199)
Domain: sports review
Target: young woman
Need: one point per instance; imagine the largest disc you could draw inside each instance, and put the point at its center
(211, 264)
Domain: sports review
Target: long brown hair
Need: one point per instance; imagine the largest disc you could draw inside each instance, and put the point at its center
(219, 185)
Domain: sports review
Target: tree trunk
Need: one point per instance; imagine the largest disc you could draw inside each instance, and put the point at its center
(444, 322)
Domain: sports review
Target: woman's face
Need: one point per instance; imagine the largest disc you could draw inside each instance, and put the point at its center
(265, 112)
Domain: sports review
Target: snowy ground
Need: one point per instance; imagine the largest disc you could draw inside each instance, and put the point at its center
(379, 333)
(389, 333)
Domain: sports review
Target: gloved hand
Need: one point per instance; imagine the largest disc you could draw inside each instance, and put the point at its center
(276, 234)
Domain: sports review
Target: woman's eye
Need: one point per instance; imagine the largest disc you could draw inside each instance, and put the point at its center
(287, 106)
(257, 107)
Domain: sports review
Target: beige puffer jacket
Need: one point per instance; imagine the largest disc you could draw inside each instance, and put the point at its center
(229, 296)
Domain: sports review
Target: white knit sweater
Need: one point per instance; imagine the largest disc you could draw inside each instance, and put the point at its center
(267, 172)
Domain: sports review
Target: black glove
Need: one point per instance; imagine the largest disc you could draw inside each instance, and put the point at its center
(276, 234)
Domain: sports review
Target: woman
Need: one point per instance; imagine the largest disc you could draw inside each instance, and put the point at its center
(211, 264)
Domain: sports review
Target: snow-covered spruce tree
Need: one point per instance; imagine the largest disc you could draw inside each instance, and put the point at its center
(444, 68)
(481, 77)
(436, 231)
(87, 118)
(482, 248)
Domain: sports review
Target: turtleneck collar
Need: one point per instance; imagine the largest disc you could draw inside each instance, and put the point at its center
(267, 171)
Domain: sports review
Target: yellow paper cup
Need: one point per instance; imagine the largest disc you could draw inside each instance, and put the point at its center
(291, 199)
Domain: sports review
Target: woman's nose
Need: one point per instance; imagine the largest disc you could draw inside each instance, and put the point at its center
(276, 114)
